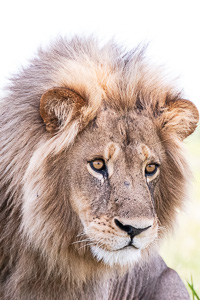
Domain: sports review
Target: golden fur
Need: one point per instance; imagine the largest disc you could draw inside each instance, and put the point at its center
(77, 102)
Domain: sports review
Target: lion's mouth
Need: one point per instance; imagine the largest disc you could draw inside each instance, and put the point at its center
(130, 245)
(126, 255)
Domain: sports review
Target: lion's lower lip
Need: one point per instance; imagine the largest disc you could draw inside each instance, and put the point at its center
(127, 246)
(131, 246)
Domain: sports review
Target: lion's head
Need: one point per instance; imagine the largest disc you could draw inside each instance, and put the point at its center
(108, 174)
(93, 157)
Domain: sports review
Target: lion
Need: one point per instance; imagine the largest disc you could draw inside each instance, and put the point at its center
(91, 175)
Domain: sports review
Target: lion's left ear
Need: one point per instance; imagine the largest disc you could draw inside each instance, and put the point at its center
(180, 118)
(58, 105)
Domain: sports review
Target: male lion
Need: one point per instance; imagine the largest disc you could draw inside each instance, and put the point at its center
(91, 176)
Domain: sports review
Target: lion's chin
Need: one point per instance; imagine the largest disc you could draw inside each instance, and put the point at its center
(123, 257)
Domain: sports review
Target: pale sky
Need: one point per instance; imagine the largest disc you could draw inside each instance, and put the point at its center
(172, 27)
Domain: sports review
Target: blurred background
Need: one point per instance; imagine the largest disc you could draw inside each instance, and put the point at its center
(172, 29)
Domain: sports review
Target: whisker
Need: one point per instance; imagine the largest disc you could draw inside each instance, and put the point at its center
(81, 234)
(88, 244)
(86, 240)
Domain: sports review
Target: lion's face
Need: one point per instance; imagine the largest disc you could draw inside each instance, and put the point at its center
(115, 166)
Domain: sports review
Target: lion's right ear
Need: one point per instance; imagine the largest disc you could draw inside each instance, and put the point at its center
(58, 105)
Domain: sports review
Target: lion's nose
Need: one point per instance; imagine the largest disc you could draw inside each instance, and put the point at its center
(132, 231)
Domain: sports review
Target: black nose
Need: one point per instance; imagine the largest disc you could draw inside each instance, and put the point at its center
(132, 231)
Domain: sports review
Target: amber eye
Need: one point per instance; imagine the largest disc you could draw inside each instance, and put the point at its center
(151, 169)
(98, 165)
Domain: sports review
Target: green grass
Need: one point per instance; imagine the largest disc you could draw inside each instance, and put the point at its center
(194, 293)
(181, 250)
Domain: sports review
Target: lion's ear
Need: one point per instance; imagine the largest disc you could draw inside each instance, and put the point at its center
(180, 118)
(58, 105)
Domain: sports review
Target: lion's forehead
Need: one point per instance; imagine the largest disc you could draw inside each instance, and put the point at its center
(112, 151)
(112, 135)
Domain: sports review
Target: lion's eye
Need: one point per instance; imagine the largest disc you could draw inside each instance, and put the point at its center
(98, 165)
(151, 169)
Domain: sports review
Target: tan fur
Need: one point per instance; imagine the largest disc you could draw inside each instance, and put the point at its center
(75, 103)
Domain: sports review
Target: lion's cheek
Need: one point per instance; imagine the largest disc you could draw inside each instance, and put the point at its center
(81, 206)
